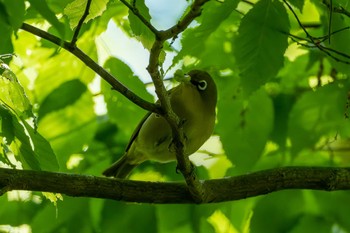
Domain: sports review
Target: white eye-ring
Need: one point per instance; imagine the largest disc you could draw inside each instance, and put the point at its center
(202, 85)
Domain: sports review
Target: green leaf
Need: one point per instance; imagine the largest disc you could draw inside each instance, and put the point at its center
(313, 223)
(61, 68)
(297, 3)
(28, 145)
(207, 41)
(243, 123)
(42, 149)
(262, 41)
(70, 128)
(75, 11)
(282, 104)
(317, 113)
(5, 31)
(17, 140)
(140, 30)
(284, 208)
(48, 14)
(15, 12)
(193, 219)
(68, 215)
(12, 93)
(123, 112)
(134, 218)
(338, 43)
(66, 94)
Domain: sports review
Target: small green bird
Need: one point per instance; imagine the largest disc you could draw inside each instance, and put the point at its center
(194, 101)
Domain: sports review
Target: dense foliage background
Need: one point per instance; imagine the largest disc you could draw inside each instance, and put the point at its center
(282, 71)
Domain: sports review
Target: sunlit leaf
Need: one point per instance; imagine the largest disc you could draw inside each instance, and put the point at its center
(12, 93)
(76, 9)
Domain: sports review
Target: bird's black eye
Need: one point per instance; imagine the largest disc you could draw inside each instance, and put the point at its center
(202, 85)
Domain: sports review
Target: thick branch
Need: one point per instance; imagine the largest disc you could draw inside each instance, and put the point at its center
(116, 85)
(219, 190)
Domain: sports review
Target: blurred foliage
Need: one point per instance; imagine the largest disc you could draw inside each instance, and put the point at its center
(282, 101)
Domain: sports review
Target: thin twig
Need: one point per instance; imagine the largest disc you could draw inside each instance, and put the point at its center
(81, 21)
(116, 85)
(335, 9)
(136, 12)
(330, 21)
(317, 43)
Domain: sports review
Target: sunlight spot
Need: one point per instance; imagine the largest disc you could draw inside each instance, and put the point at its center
(221, 223)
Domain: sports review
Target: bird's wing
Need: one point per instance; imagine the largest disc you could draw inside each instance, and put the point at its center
(172, 91)
(137, 130)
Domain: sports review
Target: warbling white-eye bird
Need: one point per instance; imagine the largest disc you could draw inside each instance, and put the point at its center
(194, 101)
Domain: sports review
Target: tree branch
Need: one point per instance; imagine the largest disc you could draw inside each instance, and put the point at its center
(220, 190)
(184, 164)
(116, 85)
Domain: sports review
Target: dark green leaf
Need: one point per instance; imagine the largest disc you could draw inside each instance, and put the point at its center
(123, 112)
(207, 41)
(278, 212)
(297, 3)
(69, 129)
(48, 14)
(5, 31)
(134, 218)
(262, 41)
(15, 12)
(317, 113)
(338, 43)
(243, 123)
(66, 94)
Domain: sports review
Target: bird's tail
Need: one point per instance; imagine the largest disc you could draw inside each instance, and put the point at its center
(120, 169)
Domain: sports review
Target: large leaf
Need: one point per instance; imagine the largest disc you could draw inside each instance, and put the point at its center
(262, 41)
(243, 123)
(121, 110)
